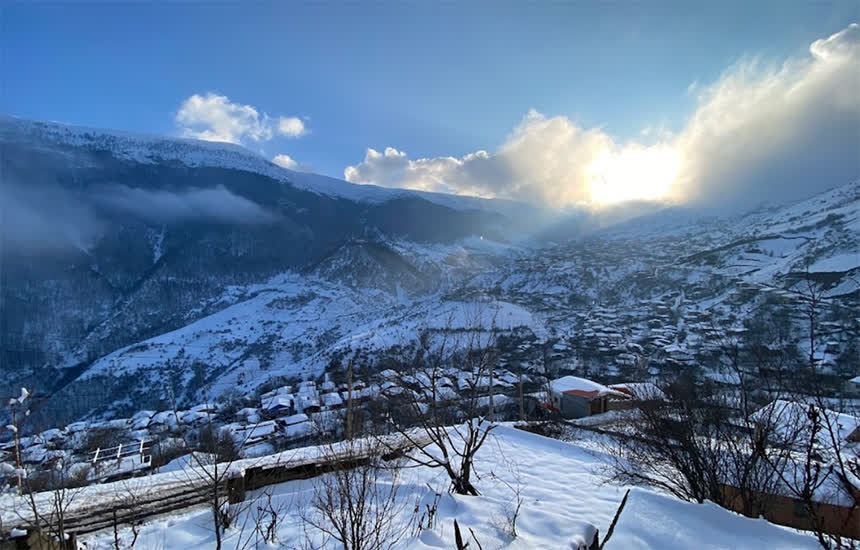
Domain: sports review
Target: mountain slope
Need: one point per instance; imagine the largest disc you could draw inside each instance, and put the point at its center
(112, 238)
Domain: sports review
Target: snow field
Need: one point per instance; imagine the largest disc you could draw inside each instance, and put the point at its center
(563, 492)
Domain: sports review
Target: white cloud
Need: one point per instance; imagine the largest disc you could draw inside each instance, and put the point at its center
(285, 161)
(756, 133)
(291, 127)
(214, 117)
(546, 159)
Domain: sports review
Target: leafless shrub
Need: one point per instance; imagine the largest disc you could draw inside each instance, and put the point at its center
(513, 507)
(269, 516)
(425, 519)
(356, 504)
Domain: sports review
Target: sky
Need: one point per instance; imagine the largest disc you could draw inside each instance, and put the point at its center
(558, 103)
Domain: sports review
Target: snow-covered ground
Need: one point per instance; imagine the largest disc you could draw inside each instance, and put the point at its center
(563, 491)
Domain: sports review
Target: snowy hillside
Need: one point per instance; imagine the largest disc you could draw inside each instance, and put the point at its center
(606, 301)
(563, 497)
(292, 326)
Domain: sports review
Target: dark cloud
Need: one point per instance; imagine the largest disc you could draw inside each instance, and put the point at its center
(776, 133)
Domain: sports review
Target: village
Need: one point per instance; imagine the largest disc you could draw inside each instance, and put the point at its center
(307, 412)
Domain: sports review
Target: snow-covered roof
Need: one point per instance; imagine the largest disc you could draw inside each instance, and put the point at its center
(257, 430)
(283, 390)
(332, 399)
(164, 417)
(190, 417)
(728, 378)
(186, 461)
(305, 401)
(640, 390)
(299, 429)
(789, 419)
(295, 419)
(204, 407)
(278, 402)
(581, 386)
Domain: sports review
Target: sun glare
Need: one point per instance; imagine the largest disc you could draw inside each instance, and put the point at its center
(633, 174)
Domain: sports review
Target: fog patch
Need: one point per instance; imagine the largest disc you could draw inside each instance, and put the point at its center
(216, 204)
(46, 219)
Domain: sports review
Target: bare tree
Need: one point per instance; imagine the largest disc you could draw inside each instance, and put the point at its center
(426, 410)
(508, 524)
(696, 441)
(818, 467)
(211, 470)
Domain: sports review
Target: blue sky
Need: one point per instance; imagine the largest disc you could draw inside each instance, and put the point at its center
(430, 79)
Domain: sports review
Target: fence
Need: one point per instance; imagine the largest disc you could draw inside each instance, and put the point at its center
(121, 460)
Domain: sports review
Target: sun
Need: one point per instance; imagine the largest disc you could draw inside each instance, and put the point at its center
(634, 173)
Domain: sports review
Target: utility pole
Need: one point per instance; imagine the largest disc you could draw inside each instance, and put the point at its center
(349, 401)
(492, 385)
(522, 403)
(17, 449)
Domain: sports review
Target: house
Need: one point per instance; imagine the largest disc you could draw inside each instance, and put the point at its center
(307, 403)
(278, 400)
(249, 414)
(292, 420)
(575, 397)
(790, 425)
(723, 379)
(209, 408)
(297, 426)
(247, 435)
(164, 421)
(278, 403)
(141, 419)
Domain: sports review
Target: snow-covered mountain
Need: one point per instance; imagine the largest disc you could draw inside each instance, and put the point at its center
(139, 269)
(192, 153)
(111, 238)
